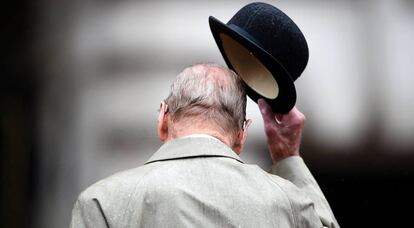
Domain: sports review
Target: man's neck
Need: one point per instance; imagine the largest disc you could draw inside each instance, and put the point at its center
(179, 132)
(183, 129)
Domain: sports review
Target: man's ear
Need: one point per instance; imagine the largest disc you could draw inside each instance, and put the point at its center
(241, 137)
(163, 122)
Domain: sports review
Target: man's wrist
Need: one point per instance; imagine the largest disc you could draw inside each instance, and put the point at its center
(280, 158)
(276, 157)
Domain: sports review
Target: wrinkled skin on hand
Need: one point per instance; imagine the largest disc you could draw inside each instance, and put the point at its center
(283, 131)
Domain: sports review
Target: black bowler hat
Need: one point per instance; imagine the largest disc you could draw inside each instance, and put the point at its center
(266, 48)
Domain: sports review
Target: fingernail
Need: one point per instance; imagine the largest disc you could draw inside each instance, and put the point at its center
(279, 116)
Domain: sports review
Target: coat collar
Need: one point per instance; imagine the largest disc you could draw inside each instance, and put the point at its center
(193, 147)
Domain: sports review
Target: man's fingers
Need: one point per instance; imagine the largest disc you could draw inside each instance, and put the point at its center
(293, 118)
(266, 111)
(279, 118)
(270, 124)
(296, 115)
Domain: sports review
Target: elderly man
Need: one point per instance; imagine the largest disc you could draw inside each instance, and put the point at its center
(197, 179)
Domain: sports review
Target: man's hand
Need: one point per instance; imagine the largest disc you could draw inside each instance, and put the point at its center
(283, 131)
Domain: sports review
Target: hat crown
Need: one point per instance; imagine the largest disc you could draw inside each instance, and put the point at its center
(276, 33)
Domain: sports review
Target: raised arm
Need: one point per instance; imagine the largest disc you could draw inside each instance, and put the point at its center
(283, 134)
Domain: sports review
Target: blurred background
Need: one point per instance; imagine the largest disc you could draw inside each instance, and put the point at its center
(82, 81)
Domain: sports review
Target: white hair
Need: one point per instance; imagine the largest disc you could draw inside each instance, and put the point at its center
(209, 92)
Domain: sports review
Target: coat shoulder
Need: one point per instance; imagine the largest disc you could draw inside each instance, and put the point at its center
(116, 186)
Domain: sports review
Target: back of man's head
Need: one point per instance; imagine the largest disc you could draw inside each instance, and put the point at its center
(210, 94)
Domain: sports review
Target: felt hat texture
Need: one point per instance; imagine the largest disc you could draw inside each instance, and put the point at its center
(266, 49)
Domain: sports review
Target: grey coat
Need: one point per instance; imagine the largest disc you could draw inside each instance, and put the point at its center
(201, 182)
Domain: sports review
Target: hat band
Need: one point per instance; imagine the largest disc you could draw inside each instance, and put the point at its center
(245, 34)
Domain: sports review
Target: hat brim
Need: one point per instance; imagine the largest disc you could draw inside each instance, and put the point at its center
(286, 98)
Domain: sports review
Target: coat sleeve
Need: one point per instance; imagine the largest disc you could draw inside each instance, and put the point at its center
(294, 170)
(87, 213)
